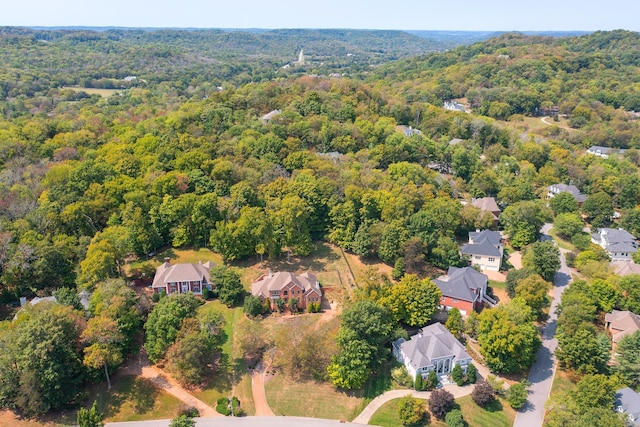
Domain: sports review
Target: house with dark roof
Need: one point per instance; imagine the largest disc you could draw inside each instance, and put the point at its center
(627, 401)
(619, 243)
(556, 189)
(285, 285)
(621, 323)
(488, 204)
(463, 288)
(485, 249)
(182, 278)
(432, 349)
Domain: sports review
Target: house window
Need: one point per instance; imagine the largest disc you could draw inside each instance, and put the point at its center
(285, 293)
(455, 300)
(492, 259)
(196, 288)
(477, 257)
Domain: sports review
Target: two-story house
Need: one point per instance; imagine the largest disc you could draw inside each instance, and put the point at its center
(464, 289)
(556, 189)
(432, 349)
(619, 243)
(182, 278)
(488, 204)
(285, 285)
(485, 249)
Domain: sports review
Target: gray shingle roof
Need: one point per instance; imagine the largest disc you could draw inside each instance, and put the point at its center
(628, 401)
(167, 273)
(485, 243)
(616, 240)
(434, 342)
(571, 189)
(462, 283)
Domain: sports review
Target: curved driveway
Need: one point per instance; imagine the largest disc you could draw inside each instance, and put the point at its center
(544, 368)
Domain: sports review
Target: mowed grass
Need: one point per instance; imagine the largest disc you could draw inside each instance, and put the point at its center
(564, 244)
(105, 93)
(310, 399)
(134, 399)
(498, 414)
(231, 369)
(562, 383)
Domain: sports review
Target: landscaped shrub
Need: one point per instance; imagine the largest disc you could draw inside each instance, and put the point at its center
(223, 406)
(401, 376)
(457, 375)
(472, 374)
(432, 380)
(155, 297)
(411, 412)
(517, 395)
(483, 394)
(440, 402)
(191, 412)
(206, 293)
(419, 384)
(454, 419)
(236, 410)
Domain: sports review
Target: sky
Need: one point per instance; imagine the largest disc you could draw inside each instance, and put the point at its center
(470, 15)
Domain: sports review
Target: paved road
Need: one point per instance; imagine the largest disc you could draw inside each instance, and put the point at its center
(243, 422)
(543, 370)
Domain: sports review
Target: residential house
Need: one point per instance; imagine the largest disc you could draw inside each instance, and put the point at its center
(270, 115)
(485, 249)
(408, 130)
(182, 278)
(454, 106)
(625, 268)
(627, 401)
(285, 285)
(488, 204)
(556, 189)
(463, 288)
(621, 323)
(619, 243)
(604, 152)
(432, 349)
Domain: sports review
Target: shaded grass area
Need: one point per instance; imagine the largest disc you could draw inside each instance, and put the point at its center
(499, 414)
(134, 399)
(562, 383)
(564, 244)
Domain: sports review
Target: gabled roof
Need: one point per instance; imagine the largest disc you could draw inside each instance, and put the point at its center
(432, 343)
(616, 240)
(283, 279)
(167, 272)
(624, 268)
(628, 401)
(462, 283)
(486, 204)
(485, 242)
(571, 189)
(622, 323)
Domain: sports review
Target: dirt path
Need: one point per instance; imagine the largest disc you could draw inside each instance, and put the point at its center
(140, 366)
(259, 394)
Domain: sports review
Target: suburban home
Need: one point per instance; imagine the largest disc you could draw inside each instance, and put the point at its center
(488, 204)
(463, 288)
(625, 268)
(285, 285)
(485, 249)
(270, 115)
(432, 349)
(408, 130)
(619, 243)
(556, 189)
(454, 106)
(182, 278)
(627, 401)
(621, 323)
(604, 152)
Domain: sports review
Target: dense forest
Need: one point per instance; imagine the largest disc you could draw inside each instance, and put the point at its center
(180, 157)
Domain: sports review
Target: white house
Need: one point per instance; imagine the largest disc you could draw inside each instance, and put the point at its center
(485, 249)
(432, 349)
(619, 243)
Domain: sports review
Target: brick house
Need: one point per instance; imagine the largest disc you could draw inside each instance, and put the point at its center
(182, 278)
(463, 288)
(285, 285)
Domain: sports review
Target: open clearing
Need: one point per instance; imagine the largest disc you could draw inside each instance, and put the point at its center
(105, 93)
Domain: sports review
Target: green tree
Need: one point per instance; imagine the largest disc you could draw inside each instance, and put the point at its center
(471, 374)
(568, 224)
(628, 358)
(543, 258)
(227, 281)
(418, 384)
(563, 203)
(182, 421)
(164, 322)
(457, 375)
(455, 419)
(583, 350)
(598, 208)
(104, 344)
(534, 292)
(517, 395)
(522, 221)
(413, 301)
(432, 380)
(411, 411)
(253, 306)
(514, 277)
(455, 323)
(595, 391)
(90, 417)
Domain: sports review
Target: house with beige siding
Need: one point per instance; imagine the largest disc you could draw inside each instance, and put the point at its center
(485, 249)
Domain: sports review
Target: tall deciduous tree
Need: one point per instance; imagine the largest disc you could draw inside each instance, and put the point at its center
(413, 301)
(522, 221)
(543, 258)
(103, 341)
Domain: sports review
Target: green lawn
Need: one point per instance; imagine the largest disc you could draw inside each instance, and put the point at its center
(564, 244)
(499, 414)
(562, 383)
(310, 399)
(134, 399)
